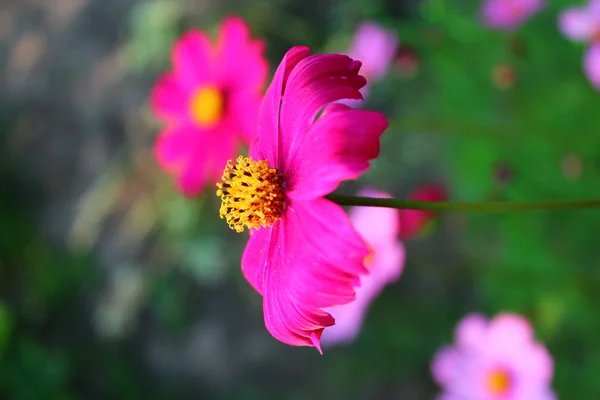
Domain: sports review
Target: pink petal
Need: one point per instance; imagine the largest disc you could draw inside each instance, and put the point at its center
(509, 14)
(196, 157)
(172, 147)
(242, 65)
(337, 147)
(307, 261)
(578, 24)
(472, 331)
(379, 228)
(591, 65)
(446, 365)
(266, 147)
(192, 59)
(509, 328)
(243, 108)
(375, 224)
(315, 82)
(169, 99)
(375, 47)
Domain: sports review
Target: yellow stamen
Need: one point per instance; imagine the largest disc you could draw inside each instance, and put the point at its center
(206, 106)
(368, 262)
(251, 194)
(498, 382)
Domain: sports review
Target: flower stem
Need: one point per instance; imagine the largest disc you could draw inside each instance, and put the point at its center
(464, 206)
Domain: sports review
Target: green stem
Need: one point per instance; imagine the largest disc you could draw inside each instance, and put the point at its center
(464, 206)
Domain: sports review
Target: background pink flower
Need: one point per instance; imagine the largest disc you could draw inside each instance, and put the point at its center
(581, 24)
(413, 221)
(509, 14)
(209, 103)
(379, 227)
(303, 254)
(494, 360)
(374, 46)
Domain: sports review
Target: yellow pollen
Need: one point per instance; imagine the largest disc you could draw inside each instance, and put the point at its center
(251, 194)
(206, 106)
(368, 262)
(498, 382)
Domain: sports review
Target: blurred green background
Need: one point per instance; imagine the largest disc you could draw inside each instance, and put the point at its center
(114, 286)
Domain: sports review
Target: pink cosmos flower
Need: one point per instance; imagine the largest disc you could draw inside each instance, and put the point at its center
(375, 47)
(303, 256)
(509, 14)
(379, 227)
(496, 360)
(209, 103)
(582, 24)
(413, 221)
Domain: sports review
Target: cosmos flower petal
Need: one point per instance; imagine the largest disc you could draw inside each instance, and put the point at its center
(578, 24)
(503, 14)
(192, 165)
(193, 58)
(591, 65)
(235, 44)
(258, 255)
(172, 147)
(376, 225)
(374, 46)
(471, 331)
(445, 364)
(210, 100)
(328, 235)
(315, 82)
(312, 239)
(267, 148)
(337, 147)
(505, 346)
(168, 99)
(511, 328)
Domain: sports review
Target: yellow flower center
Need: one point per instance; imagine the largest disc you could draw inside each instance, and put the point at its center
(498, 382)
(206, 106)
(251, 194)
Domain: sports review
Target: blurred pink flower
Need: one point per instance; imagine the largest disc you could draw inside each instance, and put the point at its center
(374, 46)
(209, 103)
(591, 64)
(303, 254)
(582, 24)
(509, 14)
(495, 360)
(413, 221)
(379, 227)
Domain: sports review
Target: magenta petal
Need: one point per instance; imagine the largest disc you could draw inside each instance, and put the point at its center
(169, 99)
(307, 261)
(196, 157)
(337, 147)
(192, 58)
(258, 253)
(241, 63)
(267, 144)
(315, 82)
